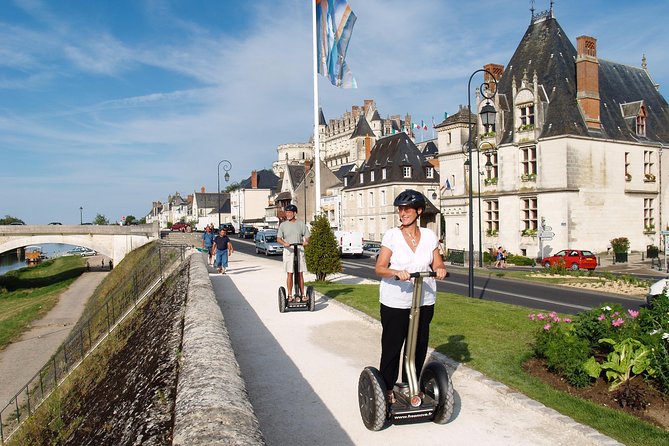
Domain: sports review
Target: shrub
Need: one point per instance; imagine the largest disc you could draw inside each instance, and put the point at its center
(620, 244)
(322, 252)
(519, 260)
(598, 323)
(565, 355)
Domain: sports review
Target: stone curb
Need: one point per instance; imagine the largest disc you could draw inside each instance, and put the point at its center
(212, 405)
(590, 435)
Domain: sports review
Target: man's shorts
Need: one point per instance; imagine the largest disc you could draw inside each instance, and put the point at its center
(288, 254)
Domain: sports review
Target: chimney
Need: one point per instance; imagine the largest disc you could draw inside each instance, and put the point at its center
(202, 189)
(497, 72)
(254, 180)
(368, 147)
(587, 80)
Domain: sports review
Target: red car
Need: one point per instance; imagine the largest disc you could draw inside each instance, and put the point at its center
(571, 258)
(179, 227)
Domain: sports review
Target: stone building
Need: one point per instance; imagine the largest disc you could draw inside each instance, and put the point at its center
(578, 148)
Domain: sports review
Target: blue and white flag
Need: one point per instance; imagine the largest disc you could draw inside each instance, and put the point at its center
(446, 186)
(334, 25)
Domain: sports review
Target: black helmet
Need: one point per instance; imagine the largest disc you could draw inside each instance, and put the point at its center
(291, 207)
(411, 198)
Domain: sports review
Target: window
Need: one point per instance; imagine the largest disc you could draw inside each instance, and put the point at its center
(628, 175)
(648, 165)
(371, 176)
(360, 205)
(406, 171)
(383, 174)
(641, 122)
(494, 172)
(528, 160)
(371, 199)
(648, 220)
(491, 217)
(345, 181)
(383, 197)
(429, 172)
(449, 137)
(528, 213)
(527, 117)
(362, 177)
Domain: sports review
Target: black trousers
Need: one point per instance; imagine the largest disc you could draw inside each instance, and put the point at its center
(395, 323)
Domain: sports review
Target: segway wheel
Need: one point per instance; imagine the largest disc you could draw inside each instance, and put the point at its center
(311, 298)
(372, 399)
(435, 383)
(282, 299)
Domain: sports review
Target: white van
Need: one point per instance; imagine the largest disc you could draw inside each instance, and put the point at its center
(350, 242)
(266, 243)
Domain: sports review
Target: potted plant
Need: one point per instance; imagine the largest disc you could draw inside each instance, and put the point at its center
(529, 232)
(491, 232)
(620, 247)
(490, 181)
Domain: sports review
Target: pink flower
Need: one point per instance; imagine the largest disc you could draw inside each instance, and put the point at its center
(601, 317)
(532, 316)
(615, 314)
(618, 322)
(541, 316)
(552, 314)
(633, 313)
(567, 320)
(547, 327)
(556, 319)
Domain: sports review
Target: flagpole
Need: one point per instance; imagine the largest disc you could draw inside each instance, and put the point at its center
(317, 145)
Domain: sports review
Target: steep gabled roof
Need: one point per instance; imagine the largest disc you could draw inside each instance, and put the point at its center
(362, 129)
(343, 171)
(461, 117)
(376, 116)
(321, 117)
(393, 153)
(266, 180)
(207, 199)
(296, 174)
(430, 149)
(546, 50)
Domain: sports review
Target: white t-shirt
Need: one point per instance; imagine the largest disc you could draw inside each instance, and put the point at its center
(397, 293)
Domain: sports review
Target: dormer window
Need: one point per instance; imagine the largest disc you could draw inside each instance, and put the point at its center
(429, 172)
(383, 174)
(527, 116)
(362, 177)
(641, 122)
(406, 171)
(371, 176)
(345, 181)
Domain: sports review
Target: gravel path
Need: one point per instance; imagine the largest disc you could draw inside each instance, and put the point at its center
(21, 360)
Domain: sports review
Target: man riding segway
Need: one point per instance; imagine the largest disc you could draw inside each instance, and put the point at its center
(293, 232)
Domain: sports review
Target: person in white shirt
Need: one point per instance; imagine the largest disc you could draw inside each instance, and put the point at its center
(406, 249)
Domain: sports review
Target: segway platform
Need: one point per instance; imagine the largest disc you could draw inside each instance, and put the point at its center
(299, 302)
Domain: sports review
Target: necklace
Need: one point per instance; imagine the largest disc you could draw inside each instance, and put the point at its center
(413, 239)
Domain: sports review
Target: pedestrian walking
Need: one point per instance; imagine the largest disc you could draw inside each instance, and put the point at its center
(208, 243)
(222, 250)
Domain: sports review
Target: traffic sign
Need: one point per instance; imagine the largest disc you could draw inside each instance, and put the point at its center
(664, 232)
(546, 228)
(546, 235)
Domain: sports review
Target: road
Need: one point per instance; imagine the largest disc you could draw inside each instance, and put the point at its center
(487, 285)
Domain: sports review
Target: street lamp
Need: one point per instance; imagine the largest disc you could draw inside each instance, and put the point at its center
(487, 114)
(226, 167)
(81, 215)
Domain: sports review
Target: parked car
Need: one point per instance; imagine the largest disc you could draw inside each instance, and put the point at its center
(229, 228)
(574, 259)
(247, 232)
(87, 252)
(266, 242)
(179, 227)
(657, 290)
(350, 242)
(371, 249)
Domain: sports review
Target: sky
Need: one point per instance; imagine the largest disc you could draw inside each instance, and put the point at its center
(110, 105)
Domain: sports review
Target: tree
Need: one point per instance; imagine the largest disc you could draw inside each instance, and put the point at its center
(232, 187)
(8, 220)
(322, 252)
(100, 219)
(129, 219)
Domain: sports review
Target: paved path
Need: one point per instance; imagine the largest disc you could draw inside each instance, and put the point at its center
(301, 370)
(21, 360)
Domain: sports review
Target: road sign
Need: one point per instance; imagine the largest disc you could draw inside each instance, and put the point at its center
(664, 232)
(546, 228)
(546, 235)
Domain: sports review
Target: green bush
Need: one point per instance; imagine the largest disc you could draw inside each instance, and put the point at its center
(520, 260)
(620, 244)
(597, 323)
(322, 252)
(565, 355)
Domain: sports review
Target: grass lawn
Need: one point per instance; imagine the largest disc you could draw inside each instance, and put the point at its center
(495, 339)
(35, 292)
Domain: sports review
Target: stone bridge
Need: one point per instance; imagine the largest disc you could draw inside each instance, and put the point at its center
(112, 240)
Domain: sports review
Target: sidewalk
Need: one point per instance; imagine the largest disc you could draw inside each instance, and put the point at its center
(21, 360)
(636, 264)
(301, 371)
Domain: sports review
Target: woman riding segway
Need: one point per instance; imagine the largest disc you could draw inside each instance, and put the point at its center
(406, 251)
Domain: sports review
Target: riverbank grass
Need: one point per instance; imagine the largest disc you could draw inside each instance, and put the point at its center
(495, 339)
(27, 303)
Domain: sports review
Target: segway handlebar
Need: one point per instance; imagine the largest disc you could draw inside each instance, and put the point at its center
(421, 274)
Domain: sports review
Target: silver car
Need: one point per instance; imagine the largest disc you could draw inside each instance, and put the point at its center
(266, 242)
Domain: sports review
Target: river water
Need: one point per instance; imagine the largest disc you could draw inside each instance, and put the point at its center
(10, 260)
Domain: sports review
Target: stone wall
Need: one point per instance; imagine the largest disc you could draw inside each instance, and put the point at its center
(212, 406)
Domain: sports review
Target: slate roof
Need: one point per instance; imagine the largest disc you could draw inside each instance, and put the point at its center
(430, 149)
(376, 116)
(321, 117)
(266, 180)
(343, 170)
(207, 199)
(362, 129)
(296, 174)
(393, 153)
(546, 49)
(461, 117)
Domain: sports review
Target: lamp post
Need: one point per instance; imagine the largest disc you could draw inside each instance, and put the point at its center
(487, 114)
(226, 167)
(81, 215)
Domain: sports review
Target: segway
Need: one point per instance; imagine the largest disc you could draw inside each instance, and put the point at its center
(427, 399)
(298, 302)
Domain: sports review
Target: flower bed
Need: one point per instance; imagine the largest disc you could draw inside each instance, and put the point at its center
(627, 349)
